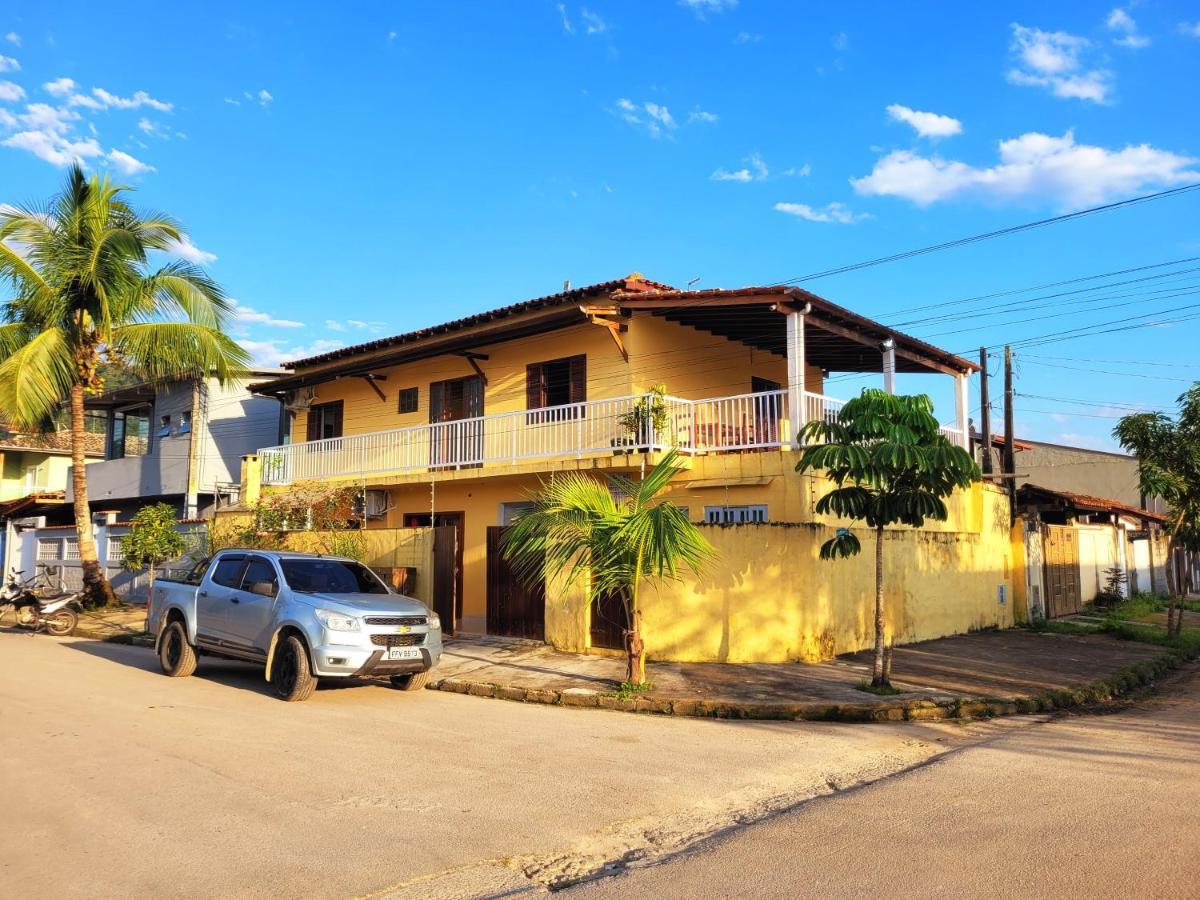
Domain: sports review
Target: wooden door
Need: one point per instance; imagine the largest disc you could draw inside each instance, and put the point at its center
(456, 412)
(515, 607)
(447, 576)
(1061, 550)
(608, 621)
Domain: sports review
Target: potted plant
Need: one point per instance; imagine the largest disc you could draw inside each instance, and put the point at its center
(647, 418)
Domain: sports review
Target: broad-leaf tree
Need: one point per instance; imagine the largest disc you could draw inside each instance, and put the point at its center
(1168, 453)
(891, 466)
(616, 534)
(84, 292)
(152, 541)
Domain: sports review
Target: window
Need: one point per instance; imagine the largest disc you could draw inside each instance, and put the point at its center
(131, 433)
(735, 515)
(227, 571)
(408, 400)
(72, 549)
(47, 548)
(556, 382)
(196, 574)
(325, 421)
(330, 576)
(259, 570)
(116, 549)
(185, 422)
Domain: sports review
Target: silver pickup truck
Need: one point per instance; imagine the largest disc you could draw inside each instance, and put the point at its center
(300, 615)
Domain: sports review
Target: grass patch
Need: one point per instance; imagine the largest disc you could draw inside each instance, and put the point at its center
(628, 690)
(880, 690)
(1055, 626)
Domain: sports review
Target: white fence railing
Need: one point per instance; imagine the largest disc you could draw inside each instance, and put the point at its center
(618, 425)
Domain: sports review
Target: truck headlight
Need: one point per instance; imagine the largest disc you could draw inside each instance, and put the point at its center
(335, 621)
(434, 621)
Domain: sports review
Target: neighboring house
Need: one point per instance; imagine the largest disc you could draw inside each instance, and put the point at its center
(1072, 540)
(456, 425)
(178, 443)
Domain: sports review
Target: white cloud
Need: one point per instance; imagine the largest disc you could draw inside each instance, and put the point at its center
(755, 169)
(264, 97)
(1190, 29)
(840, 41)
(247, 315)
(835, 213)
(7, 119)
(703, 8)
(391, 36)
(592, 23)
(331, 325)
(656, 119)
(59, 87)
(13, 38)
(926, 124)
(185, 249)
(705, 118)
(272, 353)
(566, 21)
(1053, 60)
(113, 101)
(1033, 165)
(8, 64)
(128, 165)
(44, 117)
(11, 92)
(54, 148)
(1120, 21)
(747, 37)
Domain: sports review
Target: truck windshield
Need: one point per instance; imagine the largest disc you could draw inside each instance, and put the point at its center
(330, 576)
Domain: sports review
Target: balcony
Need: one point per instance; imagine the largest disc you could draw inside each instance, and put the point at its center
(621, 425)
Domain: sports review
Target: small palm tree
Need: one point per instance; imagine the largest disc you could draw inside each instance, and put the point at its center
(892, 466)
(619, 533)
(83, 294)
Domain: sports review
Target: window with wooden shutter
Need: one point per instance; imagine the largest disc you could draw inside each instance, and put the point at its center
(325, 421)
(554, 385)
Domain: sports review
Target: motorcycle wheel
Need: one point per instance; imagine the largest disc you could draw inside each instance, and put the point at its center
(62, 622)
(26, 616)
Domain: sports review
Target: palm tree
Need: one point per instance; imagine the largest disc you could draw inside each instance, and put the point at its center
(84, 294)
(619, 533)
(891, 466)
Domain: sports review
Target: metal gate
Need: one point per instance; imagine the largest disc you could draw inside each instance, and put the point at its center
(1061, 548)
(515, 607)
(445, 575)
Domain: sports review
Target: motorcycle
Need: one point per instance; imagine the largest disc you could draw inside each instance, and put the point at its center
(35, 611)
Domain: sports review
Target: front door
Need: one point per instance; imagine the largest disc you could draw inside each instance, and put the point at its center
(515, 607)
(448, 533)
(1061, 551)
(252, 613)
(609, 621)
(456, 417)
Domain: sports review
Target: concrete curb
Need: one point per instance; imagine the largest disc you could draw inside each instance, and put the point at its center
(1102, 691)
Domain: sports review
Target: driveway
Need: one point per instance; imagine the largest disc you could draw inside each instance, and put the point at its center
(141, 785)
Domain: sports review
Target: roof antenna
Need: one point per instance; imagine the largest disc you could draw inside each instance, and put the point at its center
(566, 285)
(693, 281)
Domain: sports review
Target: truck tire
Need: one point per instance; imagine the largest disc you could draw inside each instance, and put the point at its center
(413, 682)
(175, 654)
(292, 676)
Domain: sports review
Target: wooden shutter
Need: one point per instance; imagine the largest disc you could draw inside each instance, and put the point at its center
(335, 418)
(435, 401)
(535, 386)
(473, 396)
(578, 367)
(314, 423)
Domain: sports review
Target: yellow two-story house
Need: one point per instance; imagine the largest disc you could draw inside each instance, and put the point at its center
(456, 424)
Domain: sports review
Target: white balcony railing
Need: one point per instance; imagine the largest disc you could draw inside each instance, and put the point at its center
(597, 427)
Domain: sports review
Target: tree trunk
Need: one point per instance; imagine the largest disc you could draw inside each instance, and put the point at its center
(96, 589)
(1169, 568)
(635, 647)
(879, 677)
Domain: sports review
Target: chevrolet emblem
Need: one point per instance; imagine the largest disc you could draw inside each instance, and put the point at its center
(404, 629)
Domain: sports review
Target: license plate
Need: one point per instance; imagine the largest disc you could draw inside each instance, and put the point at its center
(403, 653)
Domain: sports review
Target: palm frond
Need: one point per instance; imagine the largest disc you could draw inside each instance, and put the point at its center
(161, 351)
(35, 378)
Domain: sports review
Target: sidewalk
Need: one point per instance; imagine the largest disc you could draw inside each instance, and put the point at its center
(984, 674)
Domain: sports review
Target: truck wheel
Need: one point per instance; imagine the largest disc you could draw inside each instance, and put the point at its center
(293, 677)
(413, 682)
(175, 654)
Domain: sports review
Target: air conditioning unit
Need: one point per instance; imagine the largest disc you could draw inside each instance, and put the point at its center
(372, 505)
(301, 398)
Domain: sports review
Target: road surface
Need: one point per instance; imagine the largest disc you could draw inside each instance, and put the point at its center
(1086, 806)
(120, 782)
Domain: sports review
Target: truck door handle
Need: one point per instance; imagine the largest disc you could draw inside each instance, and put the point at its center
(234, 600)
(204, 593)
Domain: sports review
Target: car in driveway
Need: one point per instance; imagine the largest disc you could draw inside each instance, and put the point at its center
(302, 616)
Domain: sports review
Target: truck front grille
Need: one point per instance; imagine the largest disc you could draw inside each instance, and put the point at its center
(397, 640)
(396, 620)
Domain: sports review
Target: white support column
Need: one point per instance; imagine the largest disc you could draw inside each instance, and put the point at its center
(889, 365)
(797, 407)
(961, 404)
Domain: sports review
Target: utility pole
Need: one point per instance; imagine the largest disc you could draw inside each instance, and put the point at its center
(985, 413)
(1008, 464)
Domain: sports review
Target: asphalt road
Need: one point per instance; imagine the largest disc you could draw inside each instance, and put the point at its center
(120, 782)
(1088, 806)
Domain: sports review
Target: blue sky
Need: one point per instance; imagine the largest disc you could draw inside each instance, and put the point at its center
(365, 170)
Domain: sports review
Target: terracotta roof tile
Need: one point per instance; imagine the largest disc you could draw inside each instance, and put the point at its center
(51, 442)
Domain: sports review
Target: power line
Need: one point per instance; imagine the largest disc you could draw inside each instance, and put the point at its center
(1035, 362)
(1002, 232)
